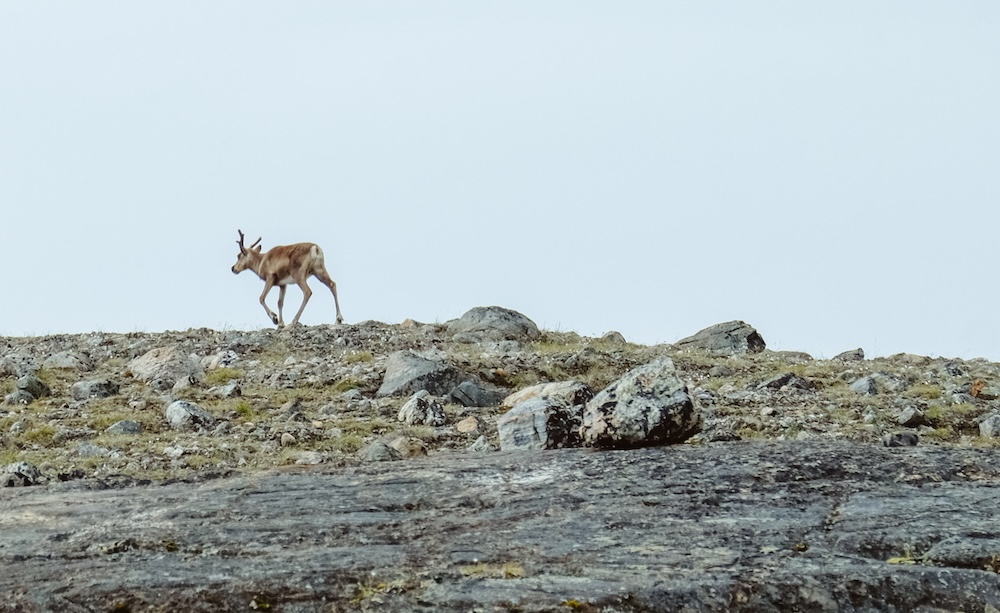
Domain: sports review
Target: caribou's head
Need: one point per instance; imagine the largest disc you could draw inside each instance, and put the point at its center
(246, 256)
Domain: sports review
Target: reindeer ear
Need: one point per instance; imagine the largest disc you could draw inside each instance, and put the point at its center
(258, 249)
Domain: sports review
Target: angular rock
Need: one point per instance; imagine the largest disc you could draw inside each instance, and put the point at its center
(407, 446)
(540, 423)
(990, 427)
(731, 337)
(68, 360)
(21, 474)
(378, 451)
(125, 426)
(473, 393)
(100, 388)
(422, 409)
(407, 372)
(911, 417)
(469, 425)
(184, 415)
(854, 355)
(18, 397)
(613, 338)
(650, 405)
(492, 323)
(482, 445)
(31, 384)
(865, 386)
(163, 367)
(569, 392)
(787, 380)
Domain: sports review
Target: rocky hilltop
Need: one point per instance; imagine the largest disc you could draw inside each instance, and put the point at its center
(484, 464)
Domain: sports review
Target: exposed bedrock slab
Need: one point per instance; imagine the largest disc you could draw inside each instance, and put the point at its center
(762, 526)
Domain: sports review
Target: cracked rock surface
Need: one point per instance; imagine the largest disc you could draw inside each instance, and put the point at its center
(733, 526)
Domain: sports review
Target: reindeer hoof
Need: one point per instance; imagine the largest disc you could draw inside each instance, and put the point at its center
(274, 320)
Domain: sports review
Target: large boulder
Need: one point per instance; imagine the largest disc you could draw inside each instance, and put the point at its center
(540, 423)
(731, 337)
(163, 367)
(407, 373)
(649, 406)
(492, 323)
(569, 392)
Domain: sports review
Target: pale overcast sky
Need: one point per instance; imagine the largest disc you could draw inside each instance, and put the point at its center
(827, 171)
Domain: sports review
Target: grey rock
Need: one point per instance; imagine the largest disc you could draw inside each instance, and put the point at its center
(613, 338)
(731, 337)
(481, 445)
(492, 323)
(865, 386)
(90, 450)
(100, 388)
(966, 551)
(163, 367)
(900, 439)
(20, 474)
(650, 405)
(125, 426)
(231, 390)
(787, 380)
(422, 409)
(568, 392)
(18, 397)
(31, 384)
(749, 527)
(473, 393)
(911, 417)
(184, 415)
(68, 360)
(407, 372)
(854, 355)
(540, 423)
(378, 451)
(990, 426)
(17, 365)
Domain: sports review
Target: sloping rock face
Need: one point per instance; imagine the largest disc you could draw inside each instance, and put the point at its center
(746, 527)
(493, 323)
(650, 405)
(731, 337)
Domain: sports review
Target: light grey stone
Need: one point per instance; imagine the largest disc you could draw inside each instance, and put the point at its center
(101, 388)
(184, 415)
(492, 323)
(406, 373)
(33, 385)
(125, 426)
(650, 405)
(990, 427)
(865, 386)
(731, 337)
(569, 392)
(540, 423)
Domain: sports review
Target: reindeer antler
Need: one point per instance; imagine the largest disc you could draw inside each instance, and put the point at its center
(240, 242)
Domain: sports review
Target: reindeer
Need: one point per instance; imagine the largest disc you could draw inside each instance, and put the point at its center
(282, 265)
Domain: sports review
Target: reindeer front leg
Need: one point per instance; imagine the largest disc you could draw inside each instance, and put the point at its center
(281, 304)
(268, 284)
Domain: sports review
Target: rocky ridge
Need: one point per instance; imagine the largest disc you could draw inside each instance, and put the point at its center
(491, 395)
(204, 402)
